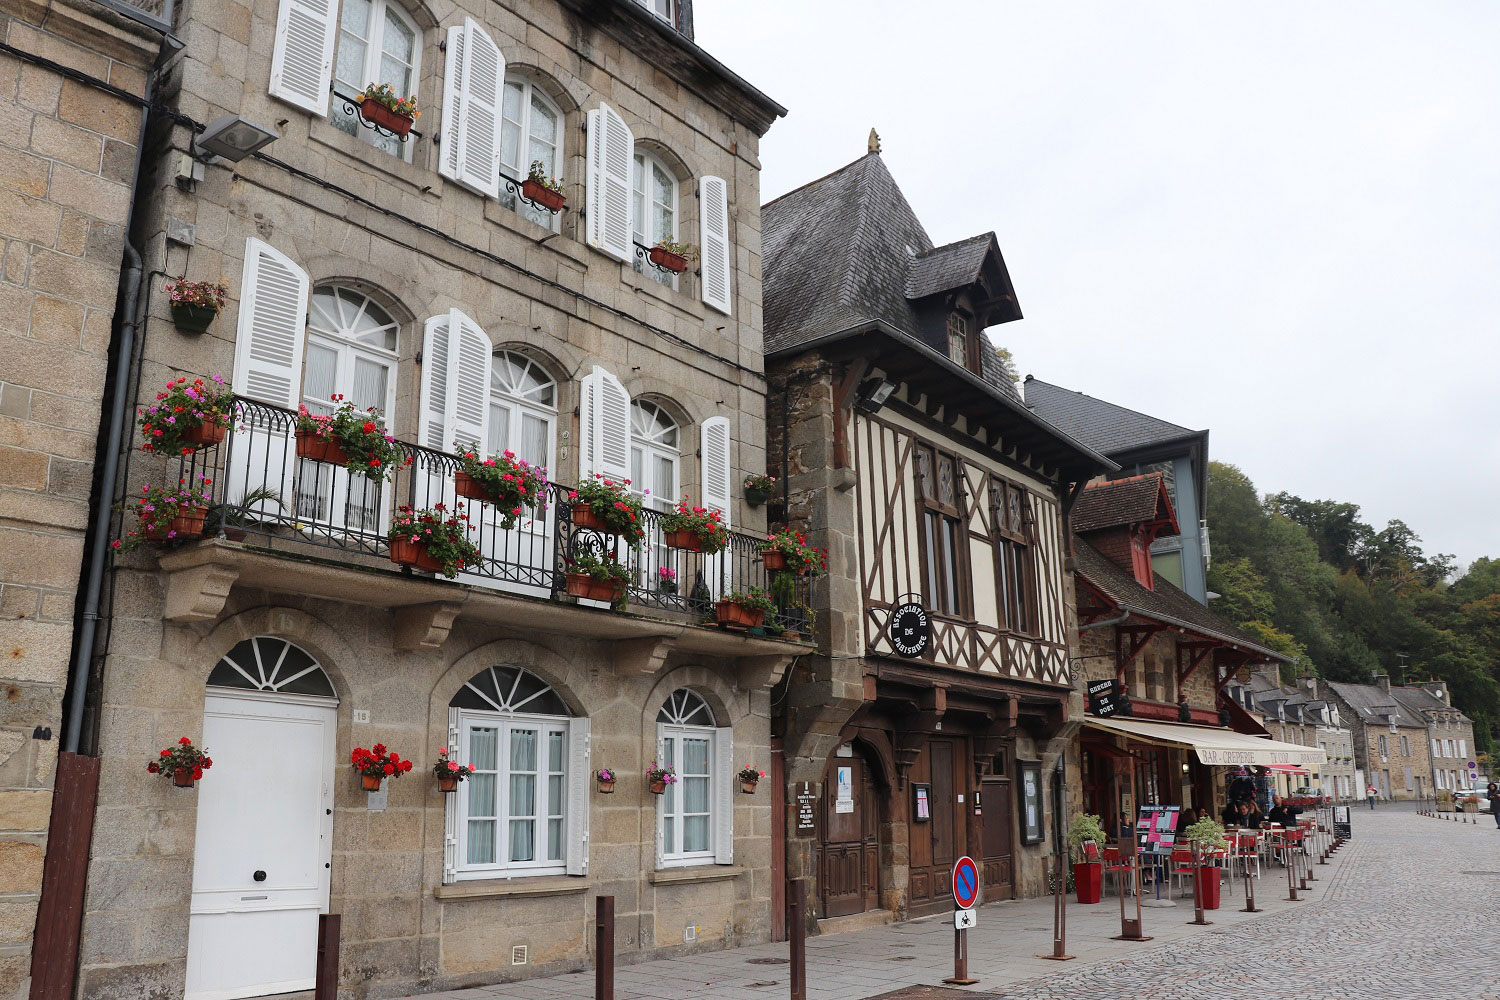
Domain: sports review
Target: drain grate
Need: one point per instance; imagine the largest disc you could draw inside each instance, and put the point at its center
(767, 961)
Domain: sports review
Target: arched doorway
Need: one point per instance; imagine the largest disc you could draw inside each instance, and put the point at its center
(264, 838)
(849, 842)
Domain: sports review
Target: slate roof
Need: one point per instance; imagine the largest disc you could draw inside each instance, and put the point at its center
(1420, 700)
(1102, 426)
(952, 266)
(1134, 500)
(1374, 705)
(1165, 604)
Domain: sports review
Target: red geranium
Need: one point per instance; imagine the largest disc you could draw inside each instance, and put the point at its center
(183, 756)
(378, 763)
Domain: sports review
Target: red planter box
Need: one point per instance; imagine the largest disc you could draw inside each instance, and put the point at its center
(204, 435)
(1088, 879)
(585, 586)
(552, 201)
(467, 486)
(684, 538)
(662, 257)
(738, 616)
(378, 114)
(1206, 886)
(408, 553)
(319, 449)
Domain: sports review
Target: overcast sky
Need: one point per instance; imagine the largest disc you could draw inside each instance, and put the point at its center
(1276, 220)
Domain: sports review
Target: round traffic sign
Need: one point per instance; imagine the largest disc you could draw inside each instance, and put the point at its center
(965, 882)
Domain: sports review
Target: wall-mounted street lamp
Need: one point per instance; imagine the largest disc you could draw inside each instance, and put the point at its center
(872, 394)
(232, 138)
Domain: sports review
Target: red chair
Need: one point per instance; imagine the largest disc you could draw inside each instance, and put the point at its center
(1181, 868)
(1121, 869)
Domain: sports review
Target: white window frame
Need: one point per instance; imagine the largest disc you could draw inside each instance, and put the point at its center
(517, 407)
(1463, 749)
(665, 10)
(958, 326)
(519, 171)
(545, 725)
(641, 222)
(646, 443)
(675, 734)
(374, 50)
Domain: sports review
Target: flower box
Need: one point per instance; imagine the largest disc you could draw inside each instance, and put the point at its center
(667, 260)
(1088, 879)
(370, 782)
(774, 561)
(182, 777)
(684, 538)
(756, 497)
(315, 448)
(188, 524)
(378, 114)
(191, 318)
(405, 552)
(205, 434)
(552, 201)
(585, 586)
(468, 487)
(736, 615)
(584, 517)
(447, 785)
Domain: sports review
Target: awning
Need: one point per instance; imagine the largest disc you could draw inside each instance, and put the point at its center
(1212, 745)
(1288, 769)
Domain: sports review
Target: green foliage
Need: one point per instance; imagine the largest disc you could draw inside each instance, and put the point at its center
(1208, 833)
(1084, 827)
(1008, 362)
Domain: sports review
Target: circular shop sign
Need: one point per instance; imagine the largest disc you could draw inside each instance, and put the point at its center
(910, 629)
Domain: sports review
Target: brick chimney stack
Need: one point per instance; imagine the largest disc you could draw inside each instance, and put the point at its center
(1383, 681)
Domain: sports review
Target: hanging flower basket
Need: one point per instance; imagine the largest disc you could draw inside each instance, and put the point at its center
(468, 487)
(748, 787)
(375, 765)
(355, 439)
(186, 524)
(759, 489)
(196, 303)
(204, 435)
(667, 260)
(749, 778)
(658, 778)
(606, 779)
(697, 529)
(183, 761)
(182, 777)
(406, 552)
(789, 550)
(315, 448)
(381, 106)
(450, 772)
(658, 788)
(684, 538)
(370, 783)
(552, 201)
(186, 416)
(584, 517)
(191, 318)
(378, 114)
(589, 588)
(774, 561)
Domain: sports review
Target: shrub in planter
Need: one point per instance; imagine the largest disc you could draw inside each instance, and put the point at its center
(744, 609)
(1208, 835)
(355, 439)
(167, 514)
(672, 256)
(788, 550)
(432, 539)
(381, 105)
(450, 772)
(597, 579)
(512, 484)
(606, 778)
(658, 778)
(608, 506)
(543, 190)
(759, 489)
(1088, 874)
(182, 762)
(749, 777)
(196, 303)
(187, 416)
(376, 764)
(698, 529)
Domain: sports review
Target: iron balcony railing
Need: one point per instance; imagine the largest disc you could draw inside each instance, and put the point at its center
(322, 506)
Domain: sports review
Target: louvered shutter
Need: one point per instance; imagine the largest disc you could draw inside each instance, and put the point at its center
(450, 804)
(716, 259)
(268, 367)
(455, 384)
(604, 427)
(611, 157)
(302, 59)
(661, 802)
(433, 430)
(724, 782)
(473, 82)
(580, 777)
(714, 452)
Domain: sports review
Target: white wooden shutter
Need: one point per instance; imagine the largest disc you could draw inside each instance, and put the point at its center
(433, 429)
(268, 367)
(716, 259)
(579, 779)
(604, 427)
(455, 383)
(661, 803)
(450, 805)
(610, 160)
(302, 59)
(714, 458)
(473, 85)
(726, 784)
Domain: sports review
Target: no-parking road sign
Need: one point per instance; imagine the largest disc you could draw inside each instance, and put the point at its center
(965, 882)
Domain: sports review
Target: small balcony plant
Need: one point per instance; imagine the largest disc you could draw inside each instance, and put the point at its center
(697, 529)
(788, 550)
(543, 190)
(433, 539)
(195, 303)
(797, 621)
(672, 256)
(666, 580)
(182, 762)
(511, 484)
(744, 609)
(380, 105)
(1088, 866)
(167, 514)
(186, 416)
(759, 489)
(658, 778)
(606, 776)
(608, 505)
(376, 764)
(450, 772)
(749, 778)
(597, 578)
(355, 439)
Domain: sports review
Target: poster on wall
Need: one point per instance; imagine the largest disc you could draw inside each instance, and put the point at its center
(844, 801)
(922, 807)
(1031, 801)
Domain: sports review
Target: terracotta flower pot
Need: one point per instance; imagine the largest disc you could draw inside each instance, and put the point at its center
(585, 586)
(1088, 879)
(370, 782)
(664, 258)
(408, 553)
(607, 787)
(737, 615)
(467, 486)
(319, 449)
(447, 784)
(773, 560)
(190, 318)
(659, 787)
(183, 777)
(684, 538)
(378, 114)
(584, 517)
(204, 434)
(748, 787)
(187, 524)
(552, 201)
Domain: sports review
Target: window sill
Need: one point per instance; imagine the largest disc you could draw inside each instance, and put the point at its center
(695, 873)
(680, 298)
(493, 888)
(321, 131)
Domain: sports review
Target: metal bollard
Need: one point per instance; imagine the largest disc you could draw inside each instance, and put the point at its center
(1059, 914)
(604, 948)
(797, 932)
(326, 973)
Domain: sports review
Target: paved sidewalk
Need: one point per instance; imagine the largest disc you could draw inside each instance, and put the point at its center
(1430, 910)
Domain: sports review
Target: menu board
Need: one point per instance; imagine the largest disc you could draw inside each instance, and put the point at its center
(1156, 828)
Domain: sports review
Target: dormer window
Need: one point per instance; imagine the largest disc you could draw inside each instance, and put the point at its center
(958, 339)
(664, 9)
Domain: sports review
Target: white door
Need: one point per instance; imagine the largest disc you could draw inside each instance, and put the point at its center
(264, 843)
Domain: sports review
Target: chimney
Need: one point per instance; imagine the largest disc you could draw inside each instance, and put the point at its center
(1438, 690)
(1383, 681)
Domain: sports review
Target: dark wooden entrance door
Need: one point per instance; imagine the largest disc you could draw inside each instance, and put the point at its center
(849, 856)
(941, 840)
(998, 825)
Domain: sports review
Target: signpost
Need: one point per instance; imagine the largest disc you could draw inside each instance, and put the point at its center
(1059, 911)
(965, 895)
(1104, 698)
(1130, 930)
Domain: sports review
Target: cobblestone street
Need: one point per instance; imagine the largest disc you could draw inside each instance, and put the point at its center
(1406, 909)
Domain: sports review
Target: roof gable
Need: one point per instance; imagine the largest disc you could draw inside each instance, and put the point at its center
(1125, 502)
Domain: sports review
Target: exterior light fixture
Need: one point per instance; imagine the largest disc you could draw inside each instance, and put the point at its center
(872, 394)
(232, 138)
(1184, 768)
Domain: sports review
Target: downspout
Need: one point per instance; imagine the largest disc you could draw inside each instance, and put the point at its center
(1118, 619)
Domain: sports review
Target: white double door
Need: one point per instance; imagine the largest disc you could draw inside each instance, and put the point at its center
(264, 844)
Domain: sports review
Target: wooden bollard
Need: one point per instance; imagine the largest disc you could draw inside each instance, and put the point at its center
(798, 932)
(326, 973)
(604, 948)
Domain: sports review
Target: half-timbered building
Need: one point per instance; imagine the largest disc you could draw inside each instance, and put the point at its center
(932, 720)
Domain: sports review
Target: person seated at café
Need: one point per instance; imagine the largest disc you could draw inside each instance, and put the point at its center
(1185, 819)
(1231, 815)
(1125, 830)
(1283, 814)
(1250, 816)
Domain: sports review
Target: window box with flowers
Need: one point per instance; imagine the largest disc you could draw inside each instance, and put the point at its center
(450, 772)
(759, 489)
(670, 255)
(187, 416)
(382, 107)
(512, 484)
(697, 529)
(183, 763)
(789, 550)
(658, 778)
(749, 778)
(606, 778)
(596, 578)
(744, 609)
(196, 303)
(608, 506)
(543, 190)
(432, 539)
(356, 440)
(377, 764)
(167, 514)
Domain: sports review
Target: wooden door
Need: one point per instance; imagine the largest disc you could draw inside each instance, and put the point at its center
(849, 855)
(940, 841)
(998, 824)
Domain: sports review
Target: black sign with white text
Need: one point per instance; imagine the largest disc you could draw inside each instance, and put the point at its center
(910, 629)
(1104, 698)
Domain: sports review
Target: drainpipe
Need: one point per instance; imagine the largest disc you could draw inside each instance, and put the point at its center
(1116, 620)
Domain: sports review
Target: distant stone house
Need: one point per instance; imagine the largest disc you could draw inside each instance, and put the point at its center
(1296, 714)
(1391, 747)
(1450, 733)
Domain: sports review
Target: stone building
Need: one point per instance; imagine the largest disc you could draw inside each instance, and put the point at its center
(1450, 733)
(1390, 739)
(1294, 713)
(417, 275)
(72, 79)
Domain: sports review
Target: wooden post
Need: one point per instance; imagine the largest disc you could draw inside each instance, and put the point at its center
(1198, 885)
(604, 948)
(1291, 861)
(1250, 906)
(326, 981)
(798, 934)
(1130, 930)
(1060, 916)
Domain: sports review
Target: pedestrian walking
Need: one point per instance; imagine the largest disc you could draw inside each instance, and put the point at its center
(1493, 794)
(1370, 794)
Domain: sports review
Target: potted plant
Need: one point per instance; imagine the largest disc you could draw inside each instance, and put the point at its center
(196, 303)
(597, 578)
(230, 519)
(545, 191)
(380, 105)
(376, 764)
(512, 484)
(697, 529)
(797, 622)
(1088, 873)
(743, 609)
(432, 539)
(759, 489)
(788, 550)
(183, 763)
(669, 255)
(608, 506)
(450, 772)
(606, 778)
(666, 580)
(167, 514)
(356, 440)
(658, 778)
(749, 777)
(187, 416)
(1208, 835)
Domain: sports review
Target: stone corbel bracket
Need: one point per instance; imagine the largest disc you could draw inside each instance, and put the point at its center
(197, 587)
(643, 656)
(757, 672)
(420, 627)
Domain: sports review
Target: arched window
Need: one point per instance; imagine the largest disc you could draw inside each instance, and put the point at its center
(654, 190)
(655, 454)
(524, 809)
(268, 663)
(695, 820)
(531, 130)
(523, 408)
(377, 43)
